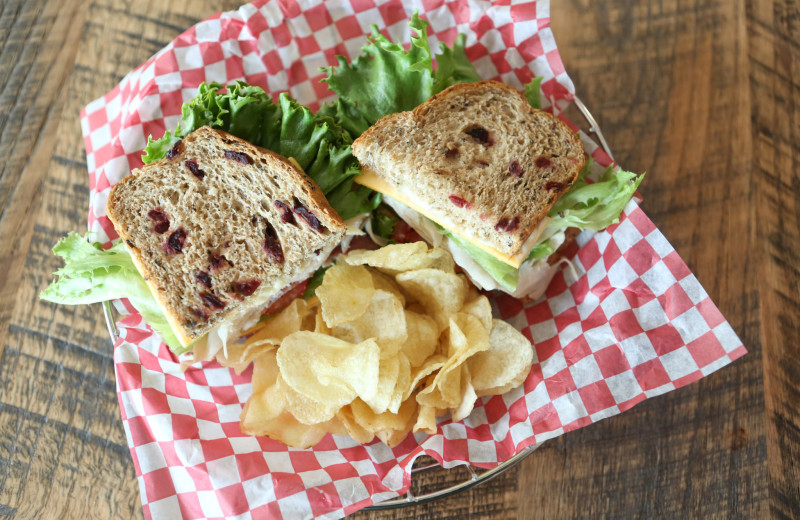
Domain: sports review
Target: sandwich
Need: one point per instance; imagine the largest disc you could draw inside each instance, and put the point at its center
(475, 169)
(219, 228)
(232, 216)
(472, 166)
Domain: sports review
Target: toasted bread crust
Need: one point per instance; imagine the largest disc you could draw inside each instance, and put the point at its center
(483, 162)
(228, 214)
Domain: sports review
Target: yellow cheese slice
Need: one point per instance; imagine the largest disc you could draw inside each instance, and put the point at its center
(369, 179)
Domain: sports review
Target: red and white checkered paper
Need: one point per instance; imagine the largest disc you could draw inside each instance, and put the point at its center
(631, 324)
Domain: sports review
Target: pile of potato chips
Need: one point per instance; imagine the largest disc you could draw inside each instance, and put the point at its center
(392, 339)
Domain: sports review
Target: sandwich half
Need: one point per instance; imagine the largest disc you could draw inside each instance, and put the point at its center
(219, 228)
(476, 169)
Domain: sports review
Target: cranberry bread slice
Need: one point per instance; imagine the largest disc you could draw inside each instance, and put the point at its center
(478, 160)
(219, 226)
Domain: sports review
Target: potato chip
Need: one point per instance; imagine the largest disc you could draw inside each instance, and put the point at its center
(345, 293)
(306, 410)
(265, 412)
(384, 423)
(442, 390)
(468, 396)
(241, 353)
(426, 420)
(431, 365)
(402, 387)
(441, 294)
(268, 380)
(467, 336)
(438, 259)
(506, 363)
(397, 258)
(319, 323)
(387, 380)
(356, 432)
(327, 369)
(394, 256)
(422, 338)
(481, 309)
(383, 320)
(284, 427)
(472, 293)
(394, 436)
(416, 307)
(386, 283)
(291, 319)
(265, 371)
(260, 410)
(336, 427)
(310, 319)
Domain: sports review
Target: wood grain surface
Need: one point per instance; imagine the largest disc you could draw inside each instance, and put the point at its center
(704, 95)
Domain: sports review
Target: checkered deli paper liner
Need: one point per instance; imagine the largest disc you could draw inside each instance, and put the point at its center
(631, 323)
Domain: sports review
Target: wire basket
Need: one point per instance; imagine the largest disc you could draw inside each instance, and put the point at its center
(426, 464)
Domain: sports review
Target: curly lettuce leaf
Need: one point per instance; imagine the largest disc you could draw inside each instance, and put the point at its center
(453, 66)
(533, 92)
(157, 148)
(383, 222)
(386, 78)
(592, 206)
(304, 135)
(244, 111)
(598, 205)
(319, 145)
(353, 198)
(346, 116)
(92, 275)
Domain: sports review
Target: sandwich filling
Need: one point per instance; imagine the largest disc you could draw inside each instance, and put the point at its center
(586, 205)
(485, 271)
(406, 197)
(217, 339)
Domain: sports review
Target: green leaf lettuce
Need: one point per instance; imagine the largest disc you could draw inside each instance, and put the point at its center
(505, 275)
(595, 205)
(383, 223)
(93, 275)
(386, 78)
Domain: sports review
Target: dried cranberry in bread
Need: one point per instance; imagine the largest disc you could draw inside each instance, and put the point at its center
(478, 159)
(219, 226)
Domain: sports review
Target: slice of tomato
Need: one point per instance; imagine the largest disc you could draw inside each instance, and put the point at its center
(294, 291)
(404, 234)
(362, 242)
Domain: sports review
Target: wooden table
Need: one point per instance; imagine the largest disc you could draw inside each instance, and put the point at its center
(703, 95)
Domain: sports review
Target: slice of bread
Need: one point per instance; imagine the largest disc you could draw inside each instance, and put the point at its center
(479, 159)
(219, 226)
